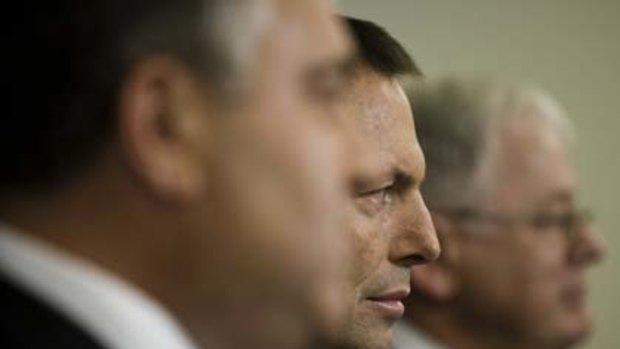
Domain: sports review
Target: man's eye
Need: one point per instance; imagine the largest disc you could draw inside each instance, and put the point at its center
(374, 201)
(382, 193)
(553, 220)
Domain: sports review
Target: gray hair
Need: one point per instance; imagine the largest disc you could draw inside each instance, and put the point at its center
(217, 37)
(79, 54)
(457, 121)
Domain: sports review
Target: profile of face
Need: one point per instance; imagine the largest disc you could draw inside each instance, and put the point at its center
(390, 228)
(262, 242)
(527, 276)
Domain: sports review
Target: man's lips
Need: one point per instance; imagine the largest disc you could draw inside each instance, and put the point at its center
(575, 295)
(390, 303)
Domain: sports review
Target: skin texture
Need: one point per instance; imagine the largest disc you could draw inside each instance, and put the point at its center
(390, 228)
(229, 215)
(514, 285)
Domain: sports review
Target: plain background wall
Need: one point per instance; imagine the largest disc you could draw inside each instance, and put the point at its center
(569, 47)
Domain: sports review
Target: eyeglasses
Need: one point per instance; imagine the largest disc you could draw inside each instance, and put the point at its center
(569, 222)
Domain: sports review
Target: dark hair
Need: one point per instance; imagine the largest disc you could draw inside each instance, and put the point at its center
(66, 60)
(380, 50)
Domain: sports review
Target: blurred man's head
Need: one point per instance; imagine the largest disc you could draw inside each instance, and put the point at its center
(503, 199)
(192, 147)
(390, 228)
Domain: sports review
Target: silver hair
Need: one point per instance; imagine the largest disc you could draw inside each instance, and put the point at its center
(218, 38)
(240, 36)
(456, 121)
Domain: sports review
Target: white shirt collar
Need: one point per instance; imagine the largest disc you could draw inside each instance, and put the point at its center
(408, 337)
(112, 311)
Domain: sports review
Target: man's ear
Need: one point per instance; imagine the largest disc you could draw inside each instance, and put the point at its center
(164, 129)
(439, 281)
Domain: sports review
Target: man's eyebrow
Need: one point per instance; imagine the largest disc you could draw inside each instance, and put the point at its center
(405, 179)
(562, 195)
(416, 175)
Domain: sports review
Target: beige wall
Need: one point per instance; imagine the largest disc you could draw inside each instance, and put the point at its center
(569, 47)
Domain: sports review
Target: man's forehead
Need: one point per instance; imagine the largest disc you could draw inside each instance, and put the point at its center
(376, 100)
(379, 107)
(535, 176)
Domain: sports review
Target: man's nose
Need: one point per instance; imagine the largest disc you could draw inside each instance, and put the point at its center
(588, 245)
(415, 242)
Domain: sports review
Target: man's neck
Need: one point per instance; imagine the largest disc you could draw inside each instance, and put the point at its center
(98, 218)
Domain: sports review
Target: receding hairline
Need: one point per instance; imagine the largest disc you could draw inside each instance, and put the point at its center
(489, 106)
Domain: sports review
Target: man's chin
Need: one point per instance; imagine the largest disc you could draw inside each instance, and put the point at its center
(574, 332)
(581, 331)
(372, 342)
(372, 338)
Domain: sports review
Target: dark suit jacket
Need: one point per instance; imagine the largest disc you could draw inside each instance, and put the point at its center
(28, 323)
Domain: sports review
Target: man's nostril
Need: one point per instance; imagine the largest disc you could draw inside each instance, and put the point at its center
(415, 259)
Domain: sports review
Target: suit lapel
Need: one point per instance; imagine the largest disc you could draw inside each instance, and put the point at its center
(28, 323)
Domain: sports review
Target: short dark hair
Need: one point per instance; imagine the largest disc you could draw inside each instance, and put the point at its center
(380, 50)
(67, 60)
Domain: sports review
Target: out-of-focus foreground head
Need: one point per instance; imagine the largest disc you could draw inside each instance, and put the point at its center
(503, 199)
(192, 148)
(390, 228)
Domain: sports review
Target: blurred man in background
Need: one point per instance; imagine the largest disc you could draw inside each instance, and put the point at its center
(515, 245)
(173, 173)
(390, 228)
